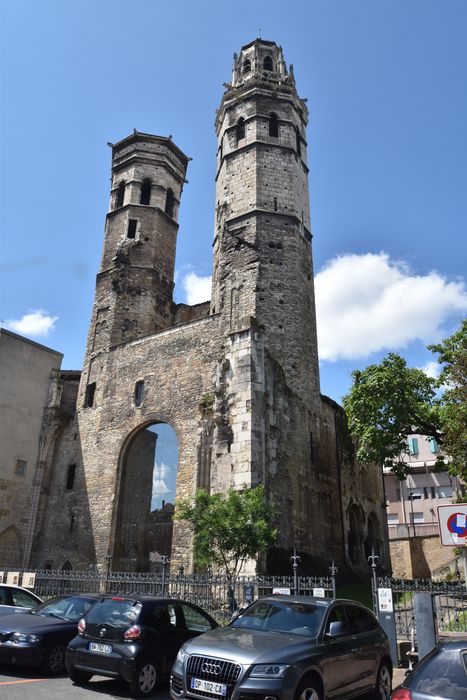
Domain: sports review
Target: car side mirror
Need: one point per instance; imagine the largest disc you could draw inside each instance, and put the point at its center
(338, 628)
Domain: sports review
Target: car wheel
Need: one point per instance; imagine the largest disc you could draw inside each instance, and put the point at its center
(54, 660)
(79, 677)
(309, 689)
(383, 682)
(145, 680)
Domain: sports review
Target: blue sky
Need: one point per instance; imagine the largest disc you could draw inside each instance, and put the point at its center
(386, 89)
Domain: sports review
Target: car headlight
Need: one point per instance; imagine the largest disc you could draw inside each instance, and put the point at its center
(181, 655)
(268, 671)
(19, 638)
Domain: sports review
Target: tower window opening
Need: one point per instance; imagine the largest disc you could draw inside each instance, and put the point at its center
(240, 129)
(273, 125)
(298, 142)
(267, 63)
(131, 231)
(246, 68)
(89, 395)
(120, 195)
(170, 203)
(146, 192)
(70, 477)
(139, 393)
(275, 203)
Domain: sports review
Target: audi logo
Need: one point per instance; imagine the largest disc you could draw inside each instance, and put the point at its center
(102, 632)
(213, 669)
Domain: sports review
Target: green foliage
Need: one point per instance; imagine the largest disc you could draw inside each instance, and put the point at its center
(229, 528)
(452, 355)
(390, 401)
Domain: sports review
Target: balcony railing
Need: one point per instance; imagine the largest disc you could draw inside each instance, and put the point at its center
(406, 530)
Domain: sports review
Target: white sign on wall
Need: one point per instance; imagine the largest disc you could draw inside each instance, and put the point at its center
(319, 593)
(452, 521)
(29, 580)
(12, 578)
(385, 600)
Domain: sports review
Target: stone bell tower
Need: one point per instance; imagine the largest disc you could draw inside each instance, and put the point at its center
(262, 244)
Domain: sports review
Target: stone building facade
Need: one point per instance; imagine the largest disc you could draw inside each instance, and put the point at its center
(237, 378)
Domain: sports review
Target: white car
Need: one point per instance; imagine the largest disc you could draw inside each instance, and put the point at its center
(15, 599)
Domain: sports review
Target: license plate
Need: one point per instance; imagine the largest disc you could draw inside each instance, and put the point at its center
(208, 686)
(100, 648)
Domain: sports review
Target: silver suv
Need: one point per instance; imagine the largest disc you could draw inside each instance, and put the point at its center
(287, 648)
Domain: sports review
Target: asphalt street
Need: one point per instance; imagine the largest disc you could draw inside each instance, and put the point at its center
(23, 684)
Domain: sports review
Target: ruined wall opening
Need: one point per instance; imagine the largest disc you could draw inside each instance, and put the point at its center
(144, 523)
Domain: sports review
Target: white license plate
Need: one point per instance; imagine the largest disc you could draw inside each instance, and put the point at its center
(100, 648)
(209, 686)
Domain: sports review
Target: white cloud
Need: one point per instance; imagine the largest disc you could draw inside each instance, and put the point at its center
(432, 369)
(366, 303)
(36, 323)
(197, 289)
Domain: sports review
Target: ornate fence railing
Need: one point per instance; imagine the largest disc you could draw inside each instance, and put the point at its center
(213, 593)
(449, 600)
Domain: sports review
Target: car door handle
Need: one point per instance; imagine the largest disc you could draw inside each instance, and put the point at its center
(355, 650)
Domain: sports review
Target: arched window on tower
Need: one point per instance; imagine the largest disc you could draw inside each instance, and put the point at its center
(298, 142)
(240, 129)
(120, 195)
(246, 67)
(170, 203)
(145, 192)
(139, 393)
(267, 63)
(273, 125)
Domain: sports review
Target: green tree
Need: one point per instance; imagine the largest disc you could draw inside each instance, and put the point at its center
(452, 356)
(229, 528)
(389, 401)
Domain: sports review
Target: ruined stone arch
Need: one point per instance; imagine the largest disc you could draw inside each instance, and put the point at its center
(373, 535)
(11, 547)
(148, 468)
(355, 534)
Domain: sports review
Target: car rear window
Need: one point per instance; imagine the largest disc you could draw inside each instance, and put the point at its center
(442, 674)
(294, 618)
(117, 612)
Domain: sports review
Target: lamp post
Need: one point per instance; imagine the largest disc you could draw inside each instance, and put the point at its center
(410, 497)
(165, 559)
(295, 559)
(373, 560)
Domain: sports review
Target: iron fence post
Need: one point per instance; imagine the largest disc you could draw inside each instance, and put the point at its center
(295, 559)
(333, 569)
(373, 560)
(165, 562)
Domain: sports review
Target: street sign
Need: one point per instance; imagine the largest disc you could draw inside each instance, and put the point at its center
(453, 524)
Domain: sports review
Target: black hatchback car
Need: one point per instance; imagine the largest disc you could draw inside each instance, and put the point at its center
(133, 638)
(287, 648)
(39, 637)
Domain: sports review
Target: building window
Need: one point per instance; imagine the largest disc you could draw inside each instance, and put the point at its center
(416, 494)
(145, 192)
(417, 518)
(298, 143)
(120, 195)
(393, 518)
(89, 395)
(445, 491)
(131, 232)
(139, 393)
(169, 203)
(434, 447)
(413, 446)
(240, 129)
(273, 125)
(70, 477)
(21, 467)
(267, 63)
(246, 68)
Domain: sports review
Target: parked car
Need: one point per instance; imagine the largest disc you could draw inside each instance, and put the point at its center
(441, 674)
(287, 648)
(16, 599)
(39, 637)
(133, 638)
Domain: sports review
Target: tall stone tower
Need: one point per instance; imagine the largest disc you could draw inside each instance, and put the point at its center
(236, 378)
(262, 243)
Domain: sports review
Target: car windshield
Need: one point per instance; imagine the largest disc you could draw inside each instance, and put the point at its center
(294, 618)
(442, 673)
(116, 612)
(64, 607)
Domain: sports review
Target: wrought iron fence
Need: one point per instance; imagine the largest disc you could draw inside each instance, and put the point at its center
(213, 593)
(450, 604)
